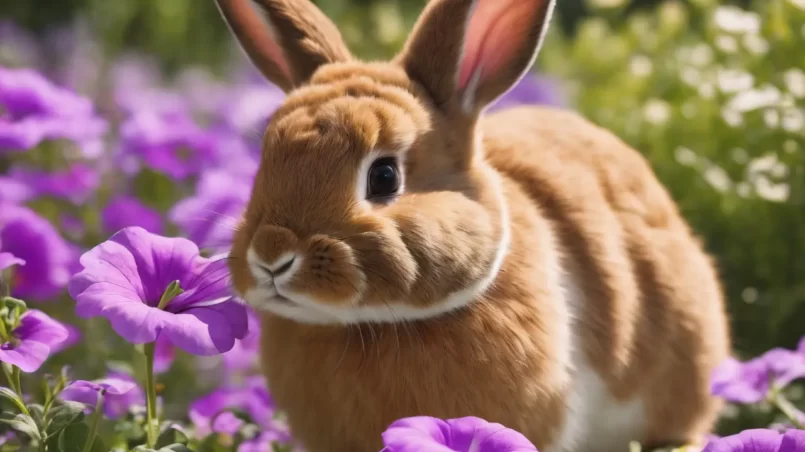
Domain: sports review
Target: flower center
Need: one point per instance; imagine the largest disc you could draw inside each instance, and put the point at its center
(10, 343)
(172, 291)
(184, 154)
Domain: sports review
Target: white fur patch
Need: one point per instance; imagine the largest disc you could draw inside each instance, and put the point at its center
(265, 300)
(594, 420)
(264, 295)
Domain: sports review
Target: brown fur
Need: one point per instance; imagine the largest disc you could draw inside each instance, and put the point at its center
(653, 323)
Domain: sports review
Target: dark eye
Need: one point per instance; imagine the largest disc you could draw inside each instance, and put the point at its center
(384, 178)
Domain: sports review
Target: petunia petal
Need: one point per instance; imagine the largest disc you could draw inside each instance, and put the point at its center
(36, 326)
(8, 259)
(158, 260)
(201, 331)
(209, 286)
(135, 322)
(28, 356)
(740, 382)
(111, 385)
(112, 264)
(123, 393)
(415, 434)
(752, 440)
(164, 354)
(793, 441)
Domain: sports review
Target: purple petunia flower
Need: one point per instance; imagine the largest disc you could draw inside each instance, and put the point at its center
(47, 256)
(750, 382)
(12, 191)
(467, 434)
(208, 413)
(75, 183)
(124, 211)
(760, 440)
(531, 90)
(120, 394)
(210, 216)
(36, 110)
(169, 142)
(32, 340)
(125, 278)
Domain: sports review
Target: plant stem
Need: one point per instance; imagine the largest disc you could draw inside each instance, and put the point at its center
(152, 418)
(14, 382)
(788, 409)
(96, 419)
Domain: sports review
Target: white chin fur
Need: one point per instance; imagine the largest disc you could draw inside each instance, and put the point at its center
(306, 310)
(263, 300)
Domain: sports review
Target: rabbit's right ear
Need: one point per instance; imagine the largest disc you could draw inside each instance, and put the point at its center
(467, 53)
(286, 39)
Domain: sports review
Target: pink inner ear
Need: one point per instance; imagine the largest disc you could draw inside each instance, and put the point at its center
(256, 34)
(496, 33)
(264, 29)
(278, 56)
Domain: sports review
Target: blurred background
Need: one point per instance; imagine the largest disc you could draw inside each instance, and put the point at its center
(712, 92)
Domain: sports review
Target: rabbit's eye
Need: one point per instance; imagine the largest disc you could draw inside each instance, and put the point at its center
(384, 178)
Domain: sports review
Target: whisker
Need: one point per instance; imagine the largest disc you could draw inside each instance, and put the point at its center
(346, 347)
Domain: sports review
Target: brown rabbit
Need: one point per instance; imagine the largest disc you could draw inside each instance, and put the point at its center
(412, 256)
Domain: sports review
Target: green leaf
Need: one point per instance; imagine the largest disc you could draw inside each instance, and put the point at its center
(210, 444)
(12, 396)
(275, 447)
(64, 414)
(25, 424)
(130, 429)
(73, 438)
(143, 449)
(16, 303)
(175, 448)
(37, 413)
(120, 366)
(170, 435)
(61, 382)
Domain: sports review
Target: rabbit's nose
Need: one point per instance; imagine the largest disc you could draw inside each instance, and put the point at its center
(276, 247)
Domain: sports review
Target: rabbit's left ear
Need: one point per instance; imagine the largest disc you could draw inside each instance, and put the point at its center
(287, 40)
(467, 53)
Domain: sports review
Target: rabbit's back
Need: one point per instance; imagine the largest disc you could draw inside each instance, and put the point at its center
(649, 310)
